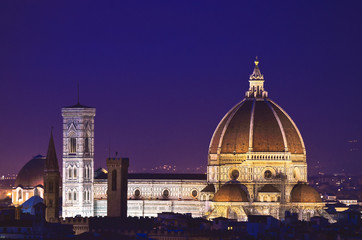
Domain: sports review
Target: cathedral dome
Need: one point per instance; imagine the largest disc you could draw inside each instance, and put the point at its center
(32, 173)
(231, 192)
(304, 193)
(256, 124)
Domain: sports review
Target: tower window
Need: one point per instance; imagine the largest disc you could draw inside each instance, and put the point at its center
(86, 145)
(70, 173)
(69, 196)
(73, 145)
(75, 196)
(86, 172)
(114, 180)
(75, 173)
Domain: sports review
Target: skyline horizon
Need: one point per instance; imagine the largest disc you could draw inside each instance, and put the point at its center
(99, 162)
(149, 170)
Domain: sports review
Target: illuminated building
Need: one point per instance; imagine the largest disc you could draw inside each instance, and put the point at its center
(78, 161)
(257, 160)
(256, 166)
(29, 181)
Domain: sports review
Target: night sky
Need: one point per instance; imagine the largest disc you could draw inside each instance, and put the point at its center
(162, 74)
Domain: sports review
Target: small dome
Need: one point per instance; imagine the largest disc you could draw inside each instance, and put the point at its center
(269, 188)
(304, 193)
(231, 192)
(32, 173)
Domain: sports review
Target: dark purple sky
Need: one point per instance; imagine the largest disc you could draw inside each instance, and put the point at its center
(163, 73)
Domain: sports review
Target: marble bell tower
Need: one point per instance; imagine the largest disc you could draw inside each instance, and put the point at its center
(78, 161)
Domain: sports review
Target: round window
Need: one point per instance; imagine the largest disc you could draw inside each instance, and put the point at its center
(268, 174)
(165, 193)
(137, 193)
(234, 174)
(194, 193)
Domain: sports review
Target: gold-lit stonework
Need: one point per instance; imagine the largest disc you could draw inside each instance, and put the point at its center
(259, 139)
(256, 166)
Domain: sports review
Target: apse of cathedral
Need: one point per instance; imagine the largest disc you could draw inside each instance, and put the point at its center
(256, 166)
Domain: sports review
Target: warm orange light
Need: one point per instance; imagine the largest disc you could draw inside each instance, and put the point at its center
(8, 194)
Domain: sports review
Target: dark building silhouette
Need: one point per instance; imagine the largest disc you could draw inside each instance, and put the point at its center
(51, 183)
(117, 187)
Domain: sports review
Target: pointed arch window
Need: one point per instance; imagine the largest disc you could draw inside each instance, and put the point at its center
(72, 145)
(75, 173)
(69, 196)
(86, 144)
(75, 196)
(86, 172)
(70, 173)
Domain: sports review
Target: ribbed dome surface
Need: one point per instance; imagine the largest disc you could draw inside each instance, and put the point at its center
(32, 173)
(258, 124)
(231, 192)
(304, 193)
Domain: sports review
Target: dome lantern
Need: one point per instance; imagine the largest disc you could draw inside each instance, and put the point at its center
(256, 81)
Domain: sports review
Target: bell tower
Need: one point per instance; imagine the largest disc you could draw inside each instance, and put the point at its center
(78, 160)
(117, 187)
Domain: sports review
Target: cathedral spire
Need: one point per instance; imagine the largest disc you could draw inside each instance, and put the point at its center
(51, 183)
(256, 81)
(51, 163)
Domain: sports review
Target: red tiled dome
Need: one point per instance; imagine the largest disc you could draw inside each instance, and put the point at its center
(258, 124)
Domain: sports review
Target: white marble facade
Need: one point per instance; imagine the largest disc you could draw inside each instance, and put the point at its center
(147, 197)
(78, 160)
(256, 146)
